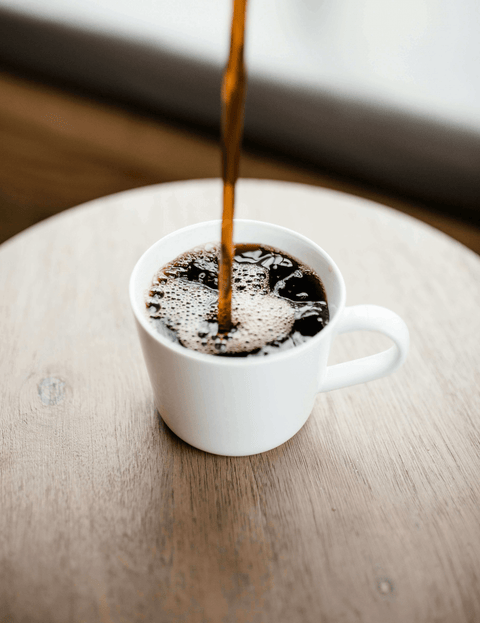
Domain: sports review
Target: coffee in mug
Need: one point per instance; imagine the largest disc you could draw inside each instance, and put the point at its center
(243, 405)
(277, 301)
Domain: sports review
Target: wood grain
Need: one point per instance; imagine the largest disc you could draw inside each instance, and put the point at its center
(369, 514)
(58, 150)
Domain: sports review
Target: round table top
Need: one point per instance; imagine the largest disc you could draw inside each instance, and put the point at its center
(369, 514)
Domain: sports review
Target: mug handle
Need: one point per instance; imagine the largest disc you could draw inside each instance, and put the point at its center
(368, 318)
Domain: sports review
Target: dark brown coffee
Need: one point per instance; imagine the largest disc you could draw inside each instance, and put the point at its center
(233, 104)
(277, 302)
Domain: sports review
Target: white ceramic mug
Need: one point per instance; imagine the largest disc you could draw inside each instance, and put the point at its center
(243, 406)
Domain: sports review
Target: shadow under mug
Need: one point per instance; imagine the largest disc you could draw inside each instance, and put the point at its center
(243, 406)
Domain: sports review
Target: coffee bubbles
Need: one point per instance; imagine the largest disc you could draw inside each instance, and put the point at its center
(277, 302)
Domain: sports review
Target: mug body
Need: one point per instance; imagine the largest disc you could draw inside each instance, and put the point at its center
(235, 406)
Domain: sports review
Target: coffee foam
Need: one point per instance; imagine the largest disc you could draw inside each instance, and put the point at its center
(189, 309)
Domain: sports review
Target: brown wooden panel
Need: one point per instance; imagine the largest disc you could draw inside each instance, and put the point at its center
(58, 150)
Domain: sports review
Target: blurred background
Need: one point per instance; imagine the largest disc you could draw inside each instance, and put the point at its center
(377, 98)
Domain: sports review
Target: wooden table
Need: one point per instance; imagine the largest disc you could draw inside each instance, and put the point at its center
(369, 514)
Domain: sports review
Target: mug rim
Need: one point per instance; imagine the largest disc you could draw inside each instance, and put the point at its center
(236, 361)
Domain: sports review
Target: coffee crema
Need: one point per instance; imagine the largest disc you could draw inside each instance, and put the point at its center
(277, 301)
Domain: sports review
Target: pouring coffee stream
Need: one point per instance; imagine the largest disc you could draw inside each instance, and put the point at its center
(233, 100)
(266, 300)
